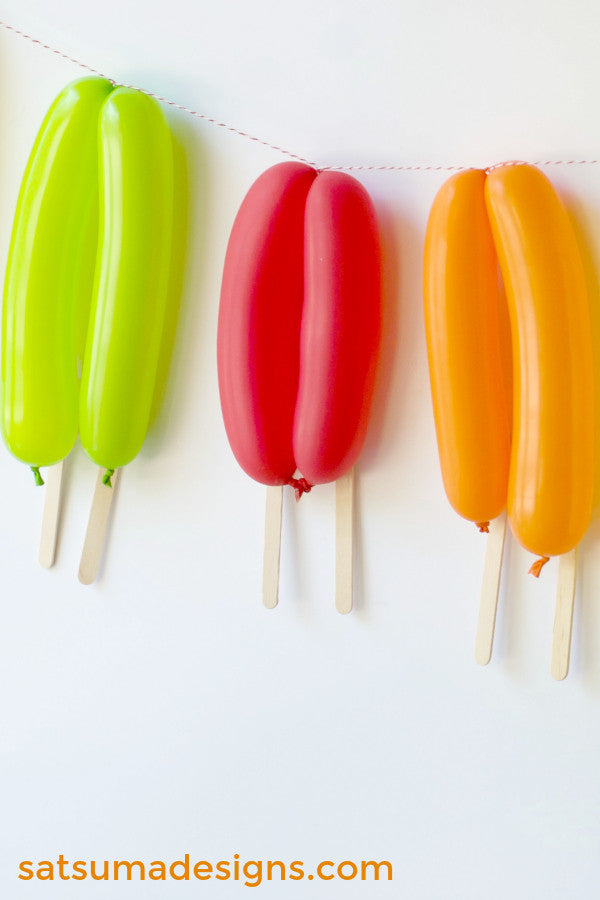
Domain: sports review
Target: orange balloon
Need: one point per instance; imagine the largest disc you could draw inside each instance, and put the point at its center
(552, 459)
(468, 343)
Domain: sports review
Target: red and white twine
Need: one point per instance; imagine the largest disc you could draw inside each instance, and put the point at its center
(249, 137)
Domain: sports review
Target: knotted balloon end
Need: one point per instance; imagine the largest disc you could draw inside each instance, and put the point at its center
(538, 566)
(36, 474)
(300, 485)
(107, 476)
(484, 527)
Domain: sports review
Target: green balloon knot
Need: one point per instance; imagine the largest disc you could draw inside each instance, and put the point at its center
(107, 476)
(36, 474)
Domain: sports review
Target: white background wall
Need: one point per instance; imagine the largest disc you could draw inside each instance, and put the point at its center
(162, 710)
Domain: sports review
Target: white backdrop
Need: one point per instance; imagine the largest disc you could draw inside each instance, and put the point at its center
(162, 710)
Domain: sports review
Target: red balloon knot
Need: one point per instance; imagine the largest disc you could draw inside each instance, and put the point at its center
(538, 566)
(300, 485)
(484, 527)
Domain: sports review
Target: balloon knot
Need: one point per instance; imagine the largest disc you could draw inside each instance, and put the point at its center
(36, 474)
(300, 485)
(484, 527)
(538, 566)
(107, 476)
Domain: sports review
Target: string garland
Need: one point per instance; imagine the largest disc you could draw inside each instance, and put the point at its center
(210, 120)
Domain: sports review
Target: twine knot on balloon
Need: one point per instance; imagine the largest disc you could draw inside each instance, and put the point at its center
(484, 527)
(300, 485)
(36, 474)
(107, 476)
(538, 566)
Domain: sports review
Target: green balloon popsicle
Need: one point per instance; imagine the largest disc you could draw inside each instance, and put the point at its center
(91, 252)
(49, 279)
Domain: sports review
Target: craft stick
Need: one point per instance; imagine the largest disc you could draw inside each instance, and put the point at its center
(272, 551)
(96, 529)
(344, 542)
(490, 588)
(563, 615)
(53, 482)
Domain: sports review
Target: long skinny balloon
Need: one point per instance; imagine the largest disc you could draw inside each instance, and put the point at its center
(341, 325)
(258, 351)
(468, 343)
(552, 464)
(49, 278)
(130, 296)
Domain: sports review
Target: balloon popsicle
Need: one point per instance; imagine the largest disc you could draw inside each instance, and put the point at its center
(298, 338)
(548, 456)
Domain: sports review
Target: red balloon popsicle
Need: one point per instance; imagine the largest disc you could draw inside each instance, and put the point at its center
(298, 340)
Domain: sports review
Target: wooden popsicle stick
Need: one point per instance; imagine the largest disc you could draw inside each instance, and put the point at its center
(96, 529)
(344, 542)
(488, 605)
(272, 550)
(563, 615)
(50, 519)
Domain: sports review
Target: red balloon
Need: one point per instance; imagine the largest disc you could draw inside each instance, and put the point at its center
(259, 322)
(340, 331)
(299, 325)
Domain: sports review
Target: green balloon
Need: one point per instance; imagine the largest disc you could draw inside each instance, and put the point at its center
(49, 278)
(132, 277)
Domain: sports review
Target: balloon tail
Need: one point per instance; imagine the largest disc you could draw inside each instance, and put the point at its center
(538, 566)
(107, 476)
(36, 474)
(484, 527)
(300, 485)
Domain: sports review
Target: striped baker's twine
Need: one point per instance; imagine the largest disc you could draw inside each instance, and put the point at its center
(263, 143)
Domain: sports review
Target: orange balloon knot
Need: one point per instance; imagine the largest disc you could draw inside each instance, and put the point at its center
(484, 527)
(300, 485)
(538, 566)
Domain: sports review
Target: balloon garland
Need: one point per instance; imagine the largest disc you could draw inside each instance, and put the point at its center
(298, 336)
